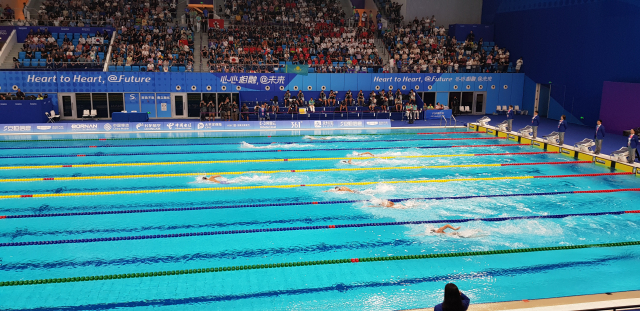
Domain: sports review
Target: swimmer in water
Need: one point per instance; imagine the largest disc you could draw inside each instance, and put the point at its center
(213, 179)
(389, 204)
(342, 189)
(319, 138)
(443, 228)
(366, 154)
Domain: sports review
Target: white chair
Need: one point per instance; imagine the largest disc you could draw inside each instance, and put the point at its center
(94, 113)
(134, 111)
(505, 109)
(49, 116)
(85, 114)
(517, 109)
(54, 115)
(124, 111)
(498, 109)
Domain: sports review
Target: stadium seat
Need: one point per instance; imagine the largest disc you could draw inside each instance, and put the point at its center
(119, 68)
(174, 68)
(22, 55)
(112, 68)
(135, 68)
(38, 55)
(181, 69)
(127, 68)
(55, 35)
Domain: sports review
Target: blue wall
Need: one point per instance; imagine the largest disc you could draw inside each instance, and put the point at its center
(576, 44)
(502, 89)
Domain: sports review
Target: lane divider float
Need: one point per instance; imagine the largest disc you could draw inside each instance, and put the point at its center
(286, 171)
(242, 151)
(311, 263)
(251, 143)
(380, 224)
(268, 160)
(199, 208)
(223, 137)
(366, 183)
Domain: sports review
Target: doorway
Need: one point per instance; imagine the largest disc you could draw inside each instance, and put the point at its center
(178, 104)
(66, 105)
(429, 99)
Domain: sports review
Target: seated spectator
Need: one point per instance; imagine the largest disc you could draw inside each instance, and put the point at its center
(19, 94)
(454, 299)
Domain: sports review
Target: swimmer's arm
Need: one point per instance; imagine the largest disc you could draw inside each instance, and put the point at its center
(367, 153)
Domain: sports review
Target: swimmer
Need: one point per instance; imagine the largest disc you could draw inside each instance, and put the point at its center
(213, 179)
(389, 204)
(443, 228)
(319, 138)
(342, 189)
(368, 154)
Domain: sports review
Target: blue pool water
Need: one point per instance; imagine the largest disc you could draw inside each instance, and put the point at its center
(388, 285)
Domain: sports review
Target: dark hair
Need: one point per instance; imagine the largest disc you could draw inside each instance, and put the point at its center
(452, 300)
(563, 117)
(599, 120)
(536, 111)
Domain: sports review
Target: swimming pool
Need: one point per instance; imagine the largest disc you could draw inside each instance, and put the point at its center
(133, 204)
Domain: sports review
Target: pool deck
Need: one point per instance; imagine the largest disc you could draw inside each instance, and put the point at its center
(570, 303)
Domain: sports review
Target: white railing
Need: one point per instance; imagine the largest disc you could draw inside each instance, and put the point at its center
(8, 45)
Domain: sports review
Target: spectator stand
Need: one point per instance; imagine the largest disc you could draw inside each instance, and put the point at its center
(47, 49)
(152, 49)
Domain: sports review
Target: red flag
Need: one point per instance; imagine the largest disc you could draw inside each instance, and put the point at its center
(216, 23)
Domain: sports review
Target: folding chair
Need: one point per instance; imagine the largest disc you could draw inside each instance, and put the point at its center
(54, 115)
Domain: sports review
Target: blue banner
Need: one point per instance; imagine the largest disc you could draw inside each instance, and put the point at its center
(132, 102)
(190, 126)
(437, 114)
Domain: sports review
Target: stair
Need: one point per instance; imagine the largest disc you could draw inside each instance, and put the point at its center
(8, 62)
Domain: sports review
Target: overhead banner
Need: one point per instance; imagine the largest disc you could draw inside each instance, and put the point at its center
(190, 126)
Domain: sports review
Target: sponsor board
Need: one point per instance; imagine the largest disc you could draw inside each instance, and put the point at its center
(502, 134)
(473, 127)
(568, 152)
(193, 126)
(584, 156)
(538, 144)
(624, 167)
(601, 161)
(513, 137)
(525, 141)
(553, 148)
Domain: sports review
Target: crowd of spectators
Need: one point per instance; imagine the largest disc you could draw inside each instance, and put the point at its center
(61, 51)
(7, 12)
(98, 13)
(309, 33)
(422, 47)
(392, 11)
(153, 48)
(284, 12)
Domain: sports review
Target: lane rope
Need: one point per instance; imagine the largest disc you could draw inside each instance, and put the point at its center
(251, 143)
(198, 208)
(286, 171)
(312, 263)
(267, 160)
(243, 151)
(223, 137)
(227, 232)
(51, 195)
